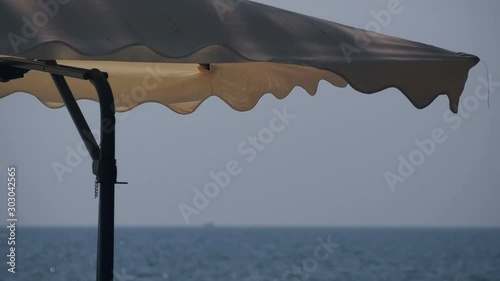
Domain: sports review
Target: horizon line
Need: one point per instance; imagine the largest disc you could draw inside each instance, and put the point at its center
(211, 226)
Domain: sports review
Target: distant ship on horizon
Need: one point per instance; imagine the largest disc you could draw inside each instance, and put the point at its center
(209, 225)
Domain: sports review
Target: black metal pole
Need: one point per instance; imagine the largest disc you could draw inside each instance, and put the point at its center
(15, 68)
(107, 177)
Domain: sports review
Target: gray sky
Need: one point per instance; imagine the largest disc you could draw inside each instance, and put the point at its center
(326, 167)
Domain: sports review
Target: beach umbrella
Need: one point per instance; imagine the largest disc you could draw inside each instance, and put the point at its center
(124, 53)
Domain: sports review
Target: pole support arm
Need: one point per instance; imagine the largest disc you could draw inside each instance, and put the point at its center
(104, 164)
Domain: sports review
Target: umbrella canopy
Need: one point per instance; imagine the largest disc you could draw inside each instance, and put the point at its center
(180, 52)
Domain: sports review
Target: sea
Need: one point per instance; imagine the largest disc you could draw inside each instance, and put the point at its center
(259, 254)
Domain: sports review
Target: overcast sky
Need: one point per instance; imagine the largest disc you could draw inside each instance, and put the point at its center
(327, 167)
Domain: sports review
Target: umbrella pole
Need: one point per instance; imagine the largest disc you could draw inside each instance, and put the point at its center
(107, 172)
(104, 165)
(104, 162)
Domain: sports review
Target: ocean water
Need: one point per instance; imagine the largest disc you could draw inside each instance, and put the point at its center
(223, 254)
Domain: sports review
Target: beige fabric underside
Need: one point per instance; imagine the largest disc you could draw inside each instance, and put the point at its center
(181, 87)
